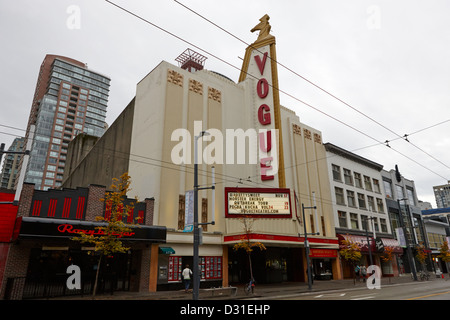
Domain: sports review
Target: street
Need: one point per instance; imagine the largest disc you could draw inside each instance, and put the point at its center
(420, 290)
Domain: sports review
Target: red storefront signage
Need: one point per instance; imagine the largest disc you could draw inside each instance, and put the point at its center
(7, 217)
(68, 228)
(323, 253)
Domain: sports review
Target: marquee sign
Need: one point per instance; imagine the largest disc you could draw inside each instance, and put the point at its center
(46, 228)
(258, 202)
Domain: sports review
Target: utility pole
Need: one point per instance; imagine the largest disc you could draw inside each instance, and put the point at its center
(196, 271)
(308, 260)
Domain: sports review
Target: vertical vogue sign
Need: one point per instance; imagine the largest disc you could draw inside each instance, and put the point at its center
(258, 202)
(265, 119)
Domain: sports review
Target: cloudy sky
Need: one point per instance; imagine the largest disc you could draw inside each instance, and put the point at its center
(387, 61)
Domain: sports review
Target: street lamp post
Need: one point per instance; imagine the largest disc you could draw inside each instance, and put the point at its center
(196, 271)
(368, 240)
(308, 261)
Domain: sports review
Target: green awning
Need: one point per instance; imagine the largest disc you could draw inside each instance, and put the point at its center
(166, 250)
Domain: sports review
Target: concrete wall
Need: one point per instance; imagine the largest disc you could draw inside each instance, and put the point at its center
(108, 158)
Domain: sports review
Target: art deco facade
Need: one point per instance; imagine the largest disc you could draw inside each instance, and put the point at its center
(158, 128)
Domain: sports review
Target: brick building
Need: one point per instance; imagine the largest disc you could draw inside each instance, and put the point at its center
(36, 246)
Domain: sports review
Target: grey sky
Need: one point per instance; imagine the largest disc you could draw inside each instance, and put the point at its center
(388, 59)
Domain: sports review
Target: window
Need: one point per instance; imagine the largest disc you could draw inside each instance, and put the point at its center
(388, 189)
(51, 168)
(361, 201)
(348, 177)
(371, 203)
(410, 196)
(342, 219)
(351, 199)
(354, 221)
(364, 222)
(62, 109)
(399, 191)
(50, 174)
(380, 205)
(376, 186)
(383, 225)
(58, 128)
(336, 172)
(339, 196)
(367, 183)
(358, 181)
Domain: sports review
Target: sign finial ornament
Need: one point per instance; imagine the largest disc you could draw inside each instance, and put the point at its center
(263, 26)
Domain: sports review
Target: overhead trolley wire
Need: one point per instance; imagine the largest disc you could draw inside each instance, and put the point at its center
(404, 137)
(282, 91)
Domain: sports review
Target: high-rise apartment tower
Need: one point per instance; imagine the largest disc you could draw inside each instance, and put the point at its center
(69, 99)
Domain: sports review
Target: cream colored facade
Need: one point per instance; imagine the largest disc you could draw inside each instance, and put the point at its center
(170, 98)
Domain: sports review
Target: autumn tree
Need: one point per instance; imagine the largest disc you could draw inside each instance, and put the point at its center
(107, 238)
(351, 252)
(387, 256)
(444, 254)
(421, 255)
(246, 244)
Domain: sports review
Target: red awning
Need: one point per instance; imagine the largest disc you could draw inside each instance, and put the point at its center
(393, 243)
(361, 241)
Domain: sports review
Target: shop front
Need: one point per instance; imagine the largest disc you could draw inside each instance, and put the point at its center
(48, 249)
(383, 252)
(282, 260)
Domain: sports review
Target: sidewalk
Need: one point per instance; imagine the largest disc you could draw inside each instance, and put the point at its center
(263, 290)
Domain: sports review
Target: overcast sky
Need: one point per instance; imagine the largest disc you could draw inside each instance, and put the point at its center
(389, 60)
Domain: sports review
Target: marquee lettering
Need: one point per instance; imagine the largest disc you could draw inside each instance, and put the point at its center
(261, 64)
(266, 147)
(264, 114)
(68, 228)
(265, 140)
(265, 165)
(262, 88)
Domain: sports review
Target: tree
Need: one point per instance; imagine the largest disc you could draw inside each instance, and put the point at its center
(444, 254)
(107, 239)
(351, 252)
(246, 243)
(421, 254)
(387, 256)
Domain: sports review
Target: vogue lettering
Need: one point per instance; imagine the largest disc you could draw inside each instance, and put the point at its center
(68, 228)
(262, 90)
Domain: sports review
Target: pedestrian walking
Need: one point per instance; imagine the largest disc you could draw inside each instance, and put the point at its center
(364, 273)
(357, 269)
(186, 274)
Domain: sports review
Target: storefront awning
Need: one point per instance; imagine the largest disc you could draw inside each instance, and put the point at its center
(47, 228)
(375, 246)
(392, 243)
(166, 250)
(361, 241)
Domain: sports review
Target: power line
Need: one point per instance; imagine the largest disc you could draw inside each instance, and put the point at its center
(315, 85)
(282, 91)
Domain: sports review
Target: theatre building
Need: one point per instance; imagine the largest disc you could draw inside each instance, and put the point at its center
(37, 247)
(264, 163)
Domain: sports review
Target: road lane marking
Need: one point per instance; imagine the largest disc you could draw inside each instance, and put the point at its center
(364, 298)
(428, 295)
